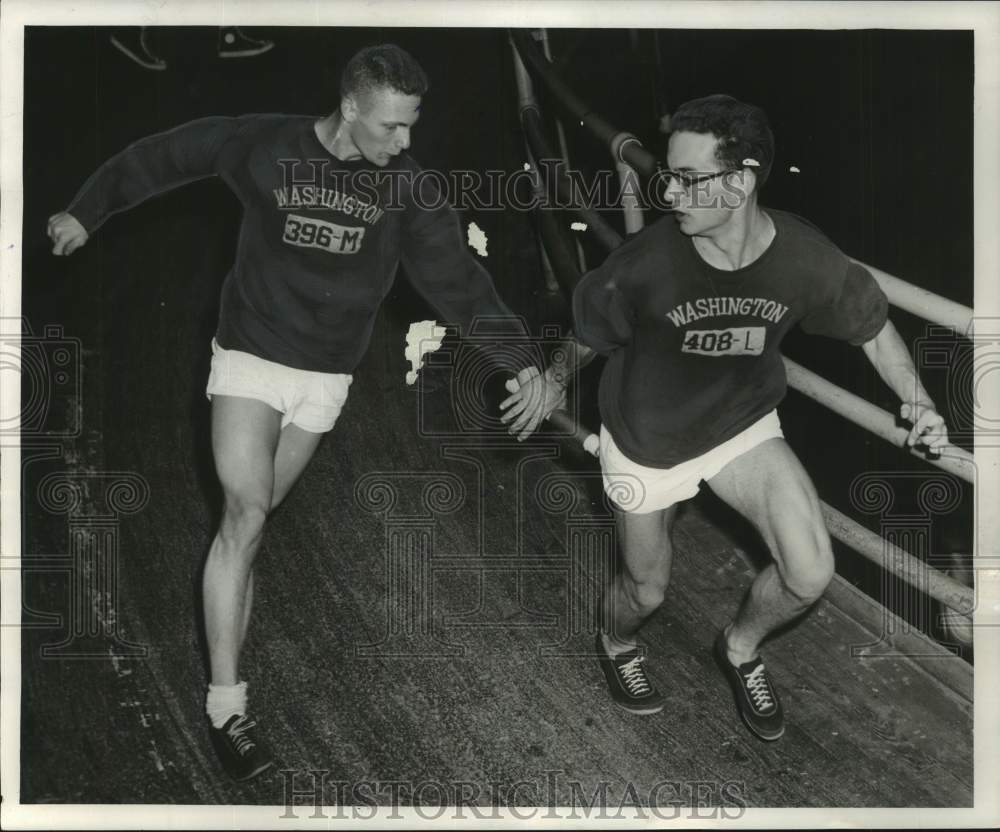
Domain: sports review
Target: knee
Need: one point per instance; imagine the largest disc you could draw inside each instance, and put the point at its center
(243, 519)
(809, 573)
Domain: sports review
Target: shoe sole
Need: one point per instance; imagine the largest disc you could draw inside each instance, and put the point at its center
(756, 732)
(255, 773)
(246, 53)
(639, 711)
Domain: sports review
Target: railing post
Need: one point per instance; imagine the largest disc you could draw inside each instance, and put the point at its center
(542, 36)
(526, 100)
(628, 195)
(632, 211)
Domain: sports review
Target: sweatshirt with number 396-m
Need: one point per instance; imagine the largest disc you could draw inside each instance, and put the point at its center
(320, 239)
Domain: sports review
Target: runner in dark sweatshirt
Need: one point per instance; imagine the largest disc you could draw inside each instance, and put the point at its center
(691, 313)
(331, 206)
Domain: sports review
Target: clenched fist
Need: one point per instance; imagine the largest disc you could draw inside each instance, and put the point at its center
(66, 233)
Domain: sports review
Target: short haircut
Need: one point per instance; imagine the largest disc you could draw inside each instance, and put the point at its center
(385, 66)
(742, 129)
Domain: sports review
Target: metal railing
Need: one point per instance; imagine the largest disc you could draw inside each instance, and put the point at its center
(631, 157)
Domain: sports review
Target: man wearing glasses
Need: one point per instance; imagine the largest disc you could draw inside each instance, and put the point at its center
(691, 313)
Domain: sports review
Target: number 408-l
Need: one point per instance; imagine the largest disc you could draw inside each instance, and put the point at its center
(745, 340)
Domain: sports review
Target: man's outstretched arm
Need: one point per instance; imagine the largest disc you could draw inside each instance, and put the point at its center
(145, 168)
(891, 359)
(441, 268)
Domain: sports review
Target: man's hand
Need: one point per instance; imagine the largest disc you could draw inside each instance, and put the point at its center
(66, 233)
(534, 397)
(928, 426)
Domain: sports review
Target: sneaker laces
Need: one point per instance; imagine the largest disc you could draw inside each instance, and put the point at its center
(760, 690)
(237, 733)
(634, 676)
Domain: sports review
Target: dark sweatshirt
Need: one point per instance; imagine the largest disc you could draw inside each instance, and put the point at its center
(694, 350)
(320, 240)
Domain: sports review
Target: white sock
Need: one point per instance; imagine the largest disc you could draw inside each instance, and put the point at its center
(224, 702)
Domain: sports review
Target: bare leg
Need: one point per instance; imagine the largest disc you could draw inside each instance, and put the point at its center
(769, 486)
(244, 439)
(639, 586)
(295, 448)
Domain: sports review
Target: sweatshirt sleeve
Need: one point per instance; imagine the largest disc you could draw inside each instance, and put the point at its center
(857, 312)
(603, 318)
(444, 272)
(151, 166)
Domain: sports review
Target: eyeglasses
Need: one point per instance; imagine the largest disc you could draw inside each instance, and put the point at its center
(689, 179)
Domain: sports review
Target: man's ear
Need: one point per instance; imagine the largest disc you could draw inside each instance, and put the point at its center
(746, 179)
(348, 108)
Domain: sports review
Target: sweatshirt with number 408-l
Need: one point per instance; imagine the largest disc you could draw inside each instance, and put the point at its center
(320, 240)
(694, 350)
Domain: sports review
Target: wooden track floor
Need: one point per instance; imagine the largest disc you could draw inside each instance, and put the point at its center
(444, 638)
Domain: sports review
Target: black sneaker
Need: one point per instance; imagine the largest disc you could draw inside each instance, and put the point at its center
(627, 680)
(242, 755)
(756, 699)
(234, 44)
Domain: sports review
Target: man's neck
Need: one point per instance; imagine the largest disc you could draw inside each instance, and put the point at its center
(739, 242)
(333, 135)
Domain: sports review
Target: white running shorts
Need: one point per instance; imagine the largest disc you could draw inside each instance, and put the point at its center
(638, 489)
(309, 400)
